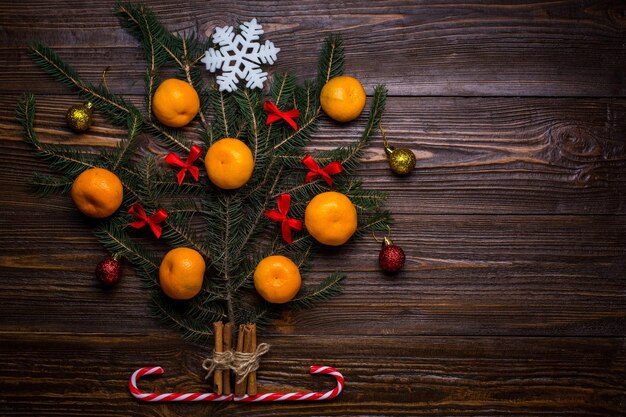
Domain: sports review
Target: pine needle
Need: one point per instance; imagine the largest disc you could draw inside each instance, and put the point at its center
(328, 288)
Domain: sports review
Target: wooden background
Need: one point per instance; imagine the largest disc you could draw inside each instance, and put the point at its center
(513, 298)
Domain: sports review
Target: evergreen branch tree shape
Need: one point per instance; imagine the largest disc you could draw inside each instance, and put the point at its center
(227, 227)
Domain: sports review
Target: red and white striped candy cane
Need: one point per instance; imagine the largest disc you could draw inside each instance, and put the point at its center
(300, 396)
(268, 397)
(152, 397)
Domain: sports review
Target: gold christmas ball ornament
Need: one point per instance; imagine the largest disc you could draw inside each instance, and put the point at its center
(401, 160)
(79, 117)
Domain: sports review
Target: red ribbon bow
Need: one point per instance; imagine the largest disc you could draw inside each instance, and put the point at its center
(152, 221)
(275, 115)
(330, 169)
(174, 160)
(280, 215)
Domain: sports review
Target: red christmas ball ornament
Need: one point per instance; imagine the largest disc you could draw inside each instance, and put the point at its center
(109, 271)
(391, 257)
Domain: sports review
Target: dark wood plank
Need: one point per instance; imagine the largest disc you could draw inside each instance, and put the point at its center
(465, 274)
(385, 375)
(512, 301)
(475, 155)
(550, 48)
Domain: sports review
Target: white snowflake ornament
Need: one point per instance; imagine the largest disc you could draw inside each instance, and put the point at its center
(240, 56)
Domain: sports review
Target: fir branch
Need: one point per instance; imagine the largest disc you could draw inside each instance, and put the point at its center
(367, 201)
(331, 60)
(127, 147)
(131, 19)
(301, 243)
(306, 122)
(113, 107)
(209, 314)
(349, 156)
(262, 314)
(170, 138)
(206, 309)
(160, 46)
(212, 215)
(147, 173)
(187, 206)
(52, 64)
(177, 230)
(150, 83)
(64, 160)
(328, 288)
(225, 109)
(173, 56)
(168, 186)
(283, 88)
(377, 222)
(113, 237)
(352, 154)
(151, 185)
(307, 94)
(307, 101)
(46, 185)
(196, 82)
(178, 233)
(205, 97)
(149, 49)
(243, 279)
(250, 106)
(253, 224)
(304, 131)
(226, 269)
(129, 179)
(175, 315)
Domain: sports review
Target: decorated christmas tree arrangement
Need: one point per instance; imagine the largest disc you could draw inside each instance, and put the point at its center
(214, 197)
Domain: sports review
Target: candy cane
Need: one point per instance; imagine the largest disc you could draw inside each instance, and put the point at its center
(271, 396)
(301, 396)
(157, 370)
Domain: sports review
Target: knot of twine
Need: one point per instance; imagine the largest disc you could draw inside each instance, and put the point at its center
(239, 362)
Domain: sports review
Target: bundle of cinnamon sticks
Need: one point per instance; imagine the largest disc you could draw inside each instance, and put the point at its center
(246, 343)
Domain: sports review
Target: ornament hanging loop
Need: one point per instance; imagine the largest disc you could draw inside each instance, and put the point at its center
(104, 78)
(388, 149)
(386, 240)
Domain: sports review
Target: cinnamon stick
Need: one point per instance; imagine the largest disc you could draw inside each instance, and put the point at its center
(247, 347)
(228, 345)
(240, 387)
(218, 328)
(252, 375)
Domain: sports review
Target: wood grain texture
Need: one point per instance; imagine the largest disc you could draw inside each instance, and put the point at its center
(416, 48)
(475, 155)
(513, 297)
(433, 376)
(474, 274)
